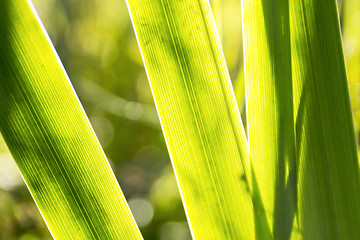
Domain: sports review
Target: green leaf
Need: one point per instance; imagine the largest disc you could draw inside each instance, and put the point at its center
(329, 189)
(267, 54)
(239, 89)
(50, 137)
(351, 36)
(198, 113)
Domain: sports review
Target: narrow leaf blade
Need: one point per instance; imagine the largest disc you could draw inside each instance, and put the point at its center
(329, 183)
(269, 108)
(50, 137)
(198, 112)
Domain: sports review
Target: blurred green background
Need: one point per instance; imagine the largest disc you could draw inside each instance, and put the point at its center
(98, 48)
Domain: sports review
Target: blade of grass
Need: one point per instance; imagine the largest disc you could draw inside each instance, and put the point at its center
(239, 90)
(269, 108)
(329, 189)
(351, 36)
(50, 137)
(198, 113)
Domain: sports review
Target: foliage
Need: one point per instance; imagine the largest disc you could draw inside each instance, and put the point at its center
(51, 139)
(297, 130)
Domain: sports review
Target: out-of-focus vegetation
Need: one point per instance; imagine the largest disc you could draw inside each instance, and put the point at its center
(97, 45)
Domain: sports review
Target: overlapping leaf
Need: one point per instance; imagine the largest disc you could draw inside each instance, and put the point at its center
(270, 111)
(328, 172)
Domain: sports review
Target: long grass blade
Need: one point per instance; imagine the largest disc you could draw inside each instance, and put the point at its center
(239, 89)
(329, 184)
(351, 36)
(198, 113)
(269, 106)
(50, 137)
